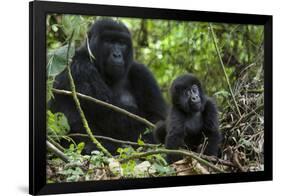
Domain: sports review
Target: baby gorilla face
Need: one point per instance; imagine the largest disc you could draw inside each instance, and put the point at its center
(194, 98)
(187, 94)
(190, 99)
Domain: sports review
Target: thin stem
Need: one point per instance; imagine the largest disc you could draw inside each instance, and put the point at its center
(78, 106)
(57, 152)
(91, 56)
(55, 144)
(223, 68)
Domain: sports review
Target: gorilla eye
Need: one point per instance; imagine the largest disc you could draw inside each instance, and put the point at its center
(122, 43)
(186, 92)
(194, 88)
(108, 40)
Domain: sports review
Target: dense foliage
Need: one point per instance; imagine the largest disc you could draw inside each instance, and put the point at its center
(169, 48)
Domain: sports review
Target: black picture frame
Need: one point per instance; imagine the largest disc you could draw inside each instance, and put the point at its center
(37, 96)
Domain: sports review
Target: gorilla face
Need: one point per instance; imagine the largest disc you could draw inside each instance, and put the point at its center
(187, 94)
(191, 98)
(115, 63)
(110, 42)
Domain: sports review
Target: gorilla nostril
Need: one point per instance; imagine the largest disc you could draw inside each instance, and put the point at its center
(116, 55)
(194, 98)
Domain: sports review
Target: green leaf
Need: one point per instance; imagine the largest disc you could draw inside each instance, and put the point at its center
(140, 142)
(57, 124)
(55, 27)
(74, 23)
(50, 82)
(80, 147)
(245, 143)
(57, 59)
(222, 93)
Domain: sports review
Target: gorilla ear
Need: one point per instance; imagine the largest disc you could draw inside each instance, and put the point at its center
(176, 89)
(82, 50)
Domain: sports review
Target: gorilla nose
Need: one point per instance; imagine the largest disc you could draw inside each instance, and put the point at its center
(117, 55)
(195, 98)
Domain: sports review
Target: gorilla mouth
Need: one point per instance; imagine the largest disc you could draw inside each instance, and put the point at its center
(116, 65)
(118, 68)
(115, 70)
(196, 106)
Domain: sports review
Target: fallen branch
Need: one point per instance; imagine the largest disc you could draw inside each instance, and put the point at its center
(166, 151)
(245, 117)
(78, 106)
(208, 158)
(108, 105)
(223, 68)
(57, 152)
(216, 160)
(237, 163)
(256, 91)
(114, 140)
(57, 145)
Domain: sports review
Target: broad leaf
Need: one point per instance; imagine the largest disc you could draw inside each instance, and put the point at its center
(57, 60)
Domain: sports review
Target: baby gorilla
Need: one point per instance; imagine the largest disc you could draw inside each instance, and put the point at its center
(191, 117)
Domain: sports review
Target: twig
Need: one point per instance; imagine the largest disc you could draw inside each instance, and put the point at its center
(55, 144)
(114, 140)
(57, 152)
(237, 163)
(113, 107)
(257, 91)
(166, 151)
(78, 106)
(216, 160)
(223, 68)
(91, 56)
(245, 116)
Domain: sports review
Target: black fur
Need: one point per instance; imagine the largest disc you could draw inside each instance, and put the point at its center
(191, 116)
(114, 77)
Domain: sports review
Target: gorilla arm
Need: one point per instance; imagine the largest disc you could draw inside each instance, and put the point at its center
(147, 93)
(211, 128)
(87, 81)
(159, 133)
(86, 78)
(175, 133)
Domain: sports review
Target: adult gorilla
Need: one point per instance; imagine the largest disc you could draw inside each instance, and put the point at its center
(114, 77)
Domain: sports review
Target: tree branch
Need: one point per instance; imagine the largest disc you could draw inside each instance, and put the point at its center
(166, 151)
(223, 68)
(216, 160)
(78, 106)
(257, 91)
(57, 145)
(108, 105)
(57, 152)
(114, 140)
